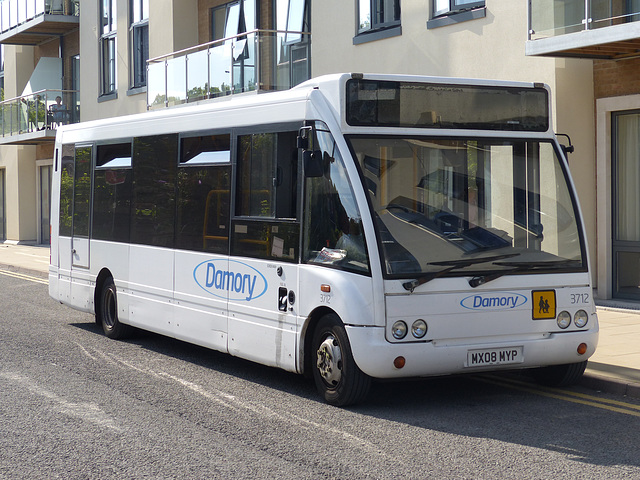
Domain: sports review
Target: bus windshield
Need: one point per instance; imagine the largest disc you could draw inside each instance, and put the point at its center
(469, 206)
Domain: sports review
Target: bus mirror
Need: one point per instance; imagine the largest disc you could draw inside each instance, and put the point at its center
(312, 163)
(303, 137)
(566, 149)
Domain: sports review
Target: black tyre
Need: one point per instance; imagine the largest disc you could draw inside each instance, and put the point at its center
(560, 375)
(107, 312)
(337, 377)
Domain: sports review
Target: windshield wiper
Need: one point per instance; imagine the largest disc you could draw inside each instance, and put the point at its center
(519, 267)
(452, 265)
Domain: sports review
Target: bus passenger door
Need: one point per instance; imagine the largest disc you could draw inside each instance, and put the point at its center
(74, 284)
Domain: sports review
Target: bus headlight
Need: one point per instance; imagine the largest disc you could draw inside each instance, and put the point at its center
(399, 330)
(419, 328)
(564, 319)
(580, 318)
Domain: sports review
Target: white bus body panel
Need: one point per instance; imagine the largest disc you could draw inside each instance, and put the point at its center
(200, 316)
(258, 329)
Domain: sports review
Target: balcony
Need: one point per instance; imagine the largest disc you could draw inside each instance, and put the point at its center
(596, 29)
(33, 119)
(256, 61)
(31, 22)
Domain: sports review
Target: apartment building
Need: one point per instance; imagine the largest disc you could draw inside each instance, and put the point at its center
(115, 57)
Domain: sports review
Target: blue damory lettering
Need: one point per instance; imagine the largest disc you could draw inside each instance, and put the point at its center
(494, 301)
(224, 280)
(241, 281)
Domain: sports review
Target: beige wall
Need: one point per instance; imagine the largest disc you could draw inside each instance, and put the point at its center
(19, 162)
(20, 192)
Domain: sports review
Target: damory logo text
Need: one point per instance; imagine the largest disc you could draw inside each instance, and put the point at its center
(494, 301)
(230, 279)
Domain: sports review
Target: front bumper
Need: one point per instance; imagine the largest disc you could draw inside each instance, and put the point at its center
(375, 356)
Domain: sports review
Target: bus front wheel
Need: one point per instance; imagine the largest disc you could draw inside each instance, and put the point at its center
(337, 377)
(107, 312)
(560, 375)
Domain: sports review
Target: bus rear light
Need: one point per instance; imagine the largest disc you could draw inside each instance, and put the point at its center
(325, 288)
(399, 362)
(582, 349)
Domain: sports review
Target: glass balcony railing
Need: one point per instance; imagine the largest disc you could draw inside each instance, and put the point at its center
(260, 60)
(549, 18)
(42, 110)
(17, 12)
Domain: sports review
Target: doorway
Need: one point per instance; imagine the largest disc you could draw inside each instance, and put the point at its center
(625, 129)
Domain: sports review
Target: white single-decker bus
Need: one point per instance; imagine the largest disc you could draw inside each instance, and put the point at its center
(354, 227)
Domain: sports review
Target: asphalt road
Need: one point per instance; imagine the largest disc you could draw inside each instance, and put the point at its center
(76, 405)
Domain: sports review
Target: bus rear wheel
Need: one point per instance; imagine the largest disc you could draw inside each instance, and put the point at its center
(107, 312)
(337, 377)
(560, 375)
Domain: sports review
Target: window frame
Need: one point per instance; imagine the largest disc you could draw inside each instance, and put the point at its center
(453, 8)
(108, 49)
(456, 14)
(376, 30)
(139, 41)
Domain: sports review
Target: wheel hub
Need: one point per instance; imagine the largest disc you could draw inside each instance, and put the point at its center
(330, 361)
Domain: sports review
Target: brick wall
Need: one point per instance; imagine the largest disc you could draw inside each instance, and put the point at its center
(616, 78)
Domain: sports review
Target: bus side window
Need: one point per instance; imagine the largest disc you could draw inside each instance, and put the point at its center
(265, 223)
(154, 188)
(333, 233)
(112, 184)
(204, 194)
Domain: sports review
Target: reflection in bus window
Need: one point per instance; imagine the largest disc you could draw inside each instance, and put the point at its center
(82, 192)
(66, 189)
(333, 226)
(112, 186)
(203, 202)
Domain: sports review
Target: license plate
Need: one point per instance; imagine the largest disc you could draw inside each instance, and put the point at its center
(494, 356)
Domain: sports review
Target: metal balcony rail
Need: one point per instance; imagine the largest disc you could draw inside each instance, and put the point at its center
(39, 111)
(255, 61)
(16, 12)
(549, 18)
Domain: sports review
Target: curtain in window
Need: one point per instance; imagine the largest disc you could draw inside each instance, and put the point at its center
(628, 177)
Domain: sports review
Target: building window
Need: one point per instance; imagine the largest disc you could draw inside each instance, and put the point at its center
(450, 12)
(108, 47)
(1, 72)
(446, 7)
(232, 18)
(139, 29)
(378, 15)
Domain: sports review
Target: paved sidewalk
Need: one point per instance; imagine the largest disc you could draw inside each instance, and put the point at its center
(614, 368)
